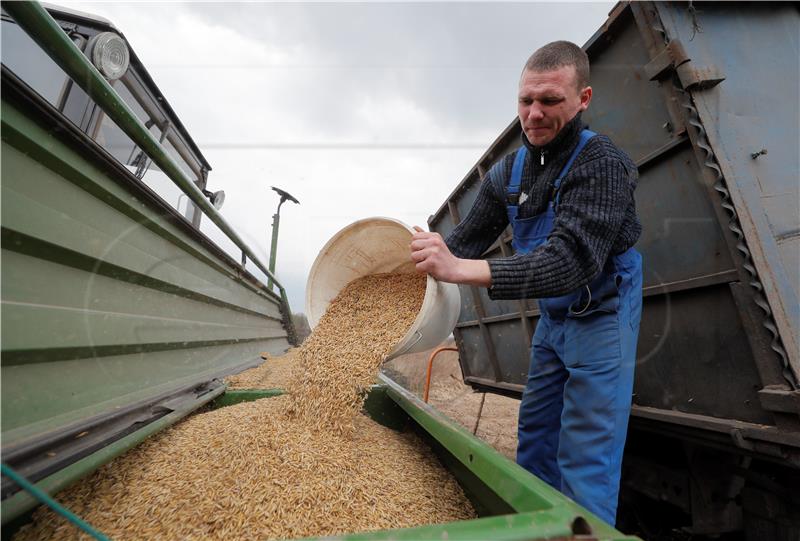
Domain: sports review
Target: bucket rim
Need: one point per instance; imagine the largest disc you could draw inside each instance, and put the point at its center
(430, 283)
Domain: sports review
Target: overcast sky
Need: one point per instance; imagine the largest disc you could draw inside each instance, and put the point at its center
(356, 109)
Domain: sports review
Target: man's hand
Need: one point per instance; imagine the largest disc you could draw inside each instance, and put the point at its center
(432, 255)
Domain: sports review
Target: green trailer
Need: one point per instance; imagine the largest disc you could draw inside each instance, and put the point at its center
(121, 317)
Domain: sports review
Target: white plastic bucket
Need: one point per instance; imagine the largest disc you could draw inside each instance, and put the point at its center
(372, 246)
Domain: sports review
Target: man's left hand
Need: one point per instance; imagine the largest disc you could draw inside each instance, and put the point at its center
(431, 255)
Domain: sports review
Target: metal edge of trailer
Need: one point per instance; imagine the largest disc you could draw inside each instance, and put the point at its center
(522, 490)
(22, 501)
(751, 439)
(526, 526)
(57, 449)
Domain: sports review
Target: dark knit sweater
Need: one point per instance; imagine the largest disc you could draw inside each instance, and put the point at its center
(595, 217)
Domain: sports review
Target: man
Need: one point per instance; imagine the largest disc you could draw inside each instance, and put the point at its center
(568, 194)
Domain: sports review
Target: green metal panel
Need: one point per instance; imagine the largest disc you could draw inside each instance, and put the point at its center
(71, 311)
(108, 302)
(44, 396)
(106, 222)
(532, 526)
(247, 395)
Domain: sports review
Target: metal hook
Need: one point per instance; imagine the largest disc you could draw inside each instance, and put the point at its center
(411, 345)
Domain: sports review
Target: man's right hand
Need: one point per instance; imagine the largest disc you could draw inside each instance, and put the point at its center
(430, 254)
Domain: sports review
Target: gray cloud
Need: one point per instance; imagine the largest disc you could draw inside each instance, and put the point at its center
(458, 61)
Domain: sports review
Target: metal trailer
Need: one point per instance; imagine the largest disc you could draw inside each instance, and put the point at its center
(120, 318)
(704, 98)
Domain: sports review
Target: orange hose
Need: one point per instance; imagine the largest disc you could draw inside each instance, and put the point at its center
(430, 367)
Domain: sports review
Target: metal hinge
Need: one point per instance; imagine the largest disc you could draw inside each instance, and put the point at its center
(780, 400)
(69, 28)
(674, 58)
(739, 441)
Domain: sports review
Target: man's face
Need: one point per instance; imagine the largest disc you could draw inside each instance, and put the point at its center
(548, 100)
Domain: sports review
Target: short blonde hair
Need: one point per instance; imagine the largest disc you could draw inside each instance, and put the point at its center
(558, 54)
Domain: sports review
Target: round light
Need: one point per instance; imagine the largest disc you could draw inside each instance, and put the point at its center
(217, 199)
(109, 54)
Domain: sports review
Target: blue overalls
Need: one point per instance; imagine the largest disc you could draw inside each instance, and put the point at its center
(573, 416)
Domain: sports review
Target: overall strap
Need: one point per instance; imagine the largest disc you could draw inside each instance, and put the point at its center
(512, 195)
(584, 138)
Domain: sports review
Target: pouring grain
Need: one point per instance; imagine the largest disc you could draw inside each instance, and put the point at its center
(339, 361)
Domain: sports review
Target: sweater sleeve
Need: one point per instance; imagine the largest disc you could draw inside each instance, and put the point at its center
(483, 224)
(594, 199)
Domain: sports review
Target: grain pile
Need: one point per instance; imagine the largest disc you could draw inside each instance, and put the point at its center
(283, 467)
(273, 373)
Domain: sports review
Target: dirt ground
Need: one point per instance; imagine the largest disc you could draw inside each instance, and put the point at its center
(497, 424)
